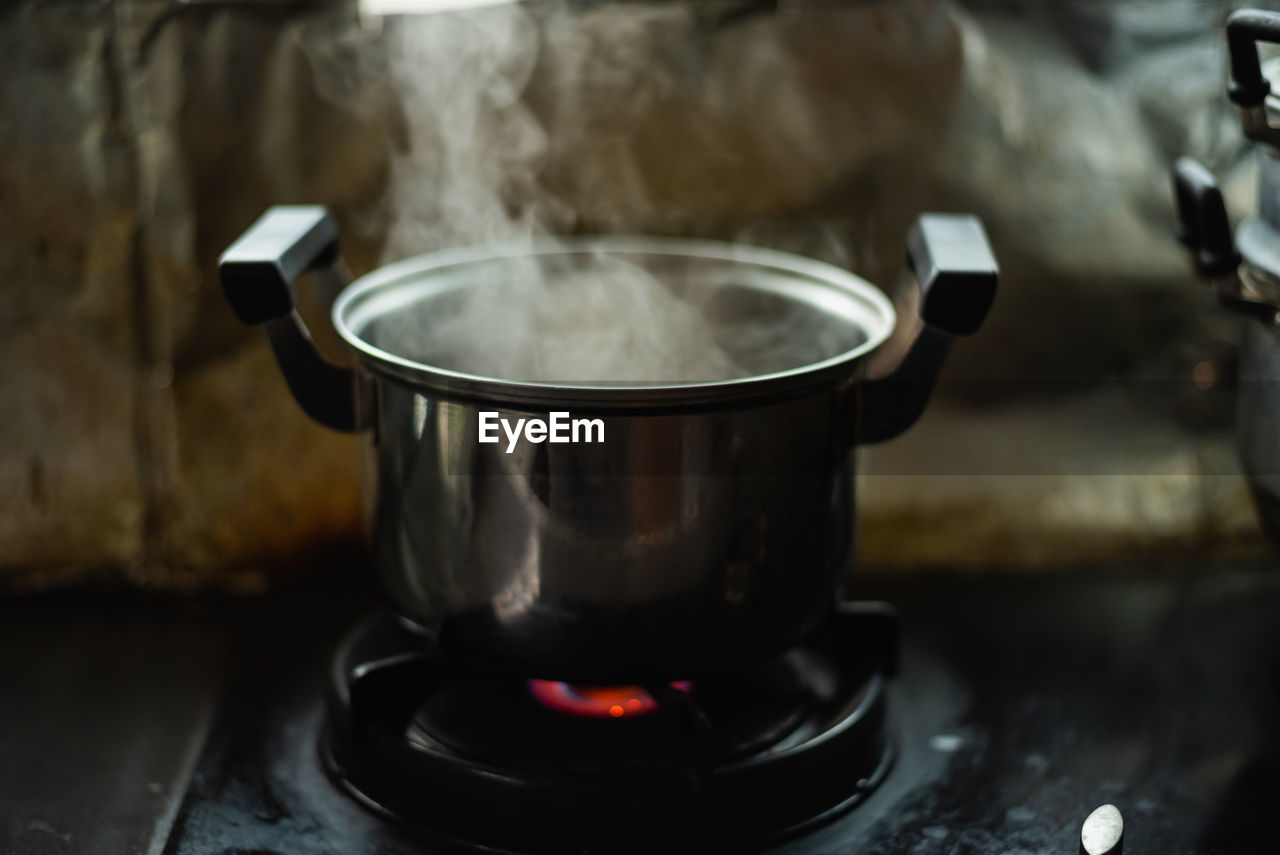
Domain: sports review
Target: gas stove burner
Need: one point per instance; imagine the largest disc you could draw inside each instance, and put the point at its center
(720, 761)
(597, 701)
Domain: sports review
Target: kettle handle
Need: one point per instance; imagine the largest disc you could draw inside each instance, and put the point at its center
(956, 269)
(1203, 226)
(1245, 28)
(1249, 87)
(259, 274)
(1205, 230)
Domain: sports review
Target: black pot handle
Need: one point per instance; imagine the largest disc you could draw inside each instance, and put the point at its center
(952, 261)
(259, 274)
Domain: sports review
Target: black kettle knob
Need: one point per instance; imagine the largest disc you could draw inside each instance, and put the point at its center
(1203, 226)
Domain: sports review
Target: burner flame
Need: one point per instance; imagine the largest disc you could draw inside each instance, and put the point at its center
(597, 701)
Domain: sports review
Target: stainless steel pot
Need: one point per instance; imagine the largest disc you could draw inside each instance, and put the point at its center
(714, 521)
(1244, 267)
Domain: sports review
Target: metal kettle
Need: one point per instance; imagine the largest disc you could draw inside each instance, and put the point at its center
(1244, 267)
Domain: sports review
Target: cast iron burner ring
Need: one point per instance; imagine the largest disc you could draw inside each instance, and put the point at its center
(736, 758)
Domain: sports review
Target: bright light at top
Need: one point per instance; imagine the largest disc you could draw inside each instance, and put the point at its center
(422, 7)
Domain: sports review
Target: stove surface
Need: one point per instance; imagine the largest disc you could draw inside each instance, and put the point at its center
(1021, 705)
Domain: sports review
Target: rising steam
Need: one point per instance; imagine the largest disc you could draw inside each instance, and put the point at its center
(470, 175)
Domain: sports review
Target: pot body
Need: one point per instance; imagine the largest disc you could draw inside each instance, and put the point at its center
(683, 524)
(682, 542)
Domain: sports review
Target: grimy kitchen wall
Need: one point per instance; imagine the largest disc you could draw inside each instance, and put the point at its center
(147, 436)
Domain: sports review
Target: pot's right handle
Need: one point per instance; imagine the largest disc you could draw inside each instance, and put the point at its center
(952, 261)
(259, 274)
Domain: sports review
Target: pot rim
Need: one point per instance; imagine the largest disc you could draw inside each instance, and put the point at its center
(878, 322)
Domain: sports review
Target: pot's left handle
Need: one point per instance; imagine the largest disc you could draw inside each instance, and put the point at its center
(259, 274)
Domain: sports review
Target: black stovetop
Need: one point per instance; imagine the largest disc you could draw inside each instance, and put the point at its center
(190, 727)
